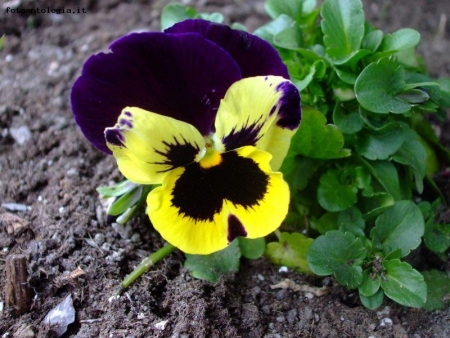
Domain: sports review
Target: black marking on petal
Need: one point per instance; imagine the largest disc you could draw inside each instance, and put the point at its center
(246, 136)
(126, 123)
(178, 154)
(274, 108)
(235, 228)
(115, 137)
(199, 192)
(290, 111)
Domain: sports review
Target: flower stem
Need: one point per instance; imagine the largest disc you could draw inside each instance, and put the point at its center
(144, 266)
(278, 233)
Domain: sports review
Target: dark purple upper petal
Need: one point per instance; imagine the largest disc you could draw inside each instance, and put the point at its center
(254, 56)
(183, 76)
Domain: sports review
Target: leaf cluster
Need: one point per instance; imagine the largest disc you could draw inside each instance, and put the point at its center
(356, 166)
(364, 147)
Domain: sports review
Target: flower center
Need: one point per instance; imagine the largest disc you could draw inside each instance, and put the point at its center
(212, 158)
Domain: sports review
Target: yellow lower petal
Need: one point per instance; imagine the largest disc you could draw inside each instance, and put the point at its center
(240, 196)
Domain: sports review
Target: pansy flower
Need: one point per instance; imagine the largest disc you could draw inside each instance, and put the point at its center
(203, 110)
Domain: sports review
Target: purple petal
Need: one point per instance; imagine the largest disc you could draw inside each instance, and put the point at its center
(235, 228)
(290, 109)
(254, 56)
(183, 76)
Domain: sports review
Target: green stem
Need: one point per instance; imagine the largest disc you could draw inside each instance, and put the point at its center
(278, 233)
(144, 266)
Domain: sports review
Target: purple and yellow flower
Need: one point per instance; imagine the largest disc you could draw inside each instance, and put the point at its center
(203, 110)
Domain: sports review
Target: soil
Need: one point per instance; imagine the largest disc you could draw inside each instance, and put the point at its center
(51, 172)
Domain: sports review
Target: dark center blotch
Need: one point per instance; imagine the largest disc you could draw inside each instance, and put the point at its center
(199, 192)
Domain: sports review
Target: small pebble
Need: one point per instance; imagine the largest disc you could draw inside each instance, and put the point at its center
(260, 277)
(87, 259)
(283, 269)
(281, 294)
(309, 295)
(384, 312)
(280, 319)
(106, 246)
(161, 325)
(21, 134)
(326, 281)
(292, 316)
(15, 207)
(123, 231)
(72, 172)
(316, 317)
(386, 322)
(307, 313)
(99, 238)
(256, 290)
(136, 238)
(266, 309)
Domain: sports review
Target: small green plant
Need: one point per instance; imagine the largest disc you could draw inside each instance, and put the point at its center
(358, 163)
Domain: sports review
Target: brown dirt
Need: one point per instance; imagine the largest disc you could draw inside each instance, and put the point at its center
(55, 173)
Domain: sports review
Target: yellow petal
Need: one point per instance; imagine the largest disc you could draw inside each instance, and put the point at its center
(201, 209)
(148, 145)
(262, 111)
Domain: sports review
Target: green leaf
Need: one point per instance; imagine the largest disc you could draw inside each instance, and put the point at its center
(289, 38)
(372, 40)
(126, 201)
(438, 286)
(292, 8)
(290, 251)
(2, 40)
(351, 60)
(343, 27)
(316, 139)
(372, 302)
(327, 222)
(298, 170)
(396, 254)
(376, 203)
(346, 77)
(403, 284)
(402, 39)
(211, 267)
(269, 30)
(413, 154)
(387, 175)
(174, 13)
(369, 285)
(239, 26)
(338, 253)
(378, 84)
(252, 248)
(437, 236)
(117, 189)
(213, 17)
(379, 144)
(400, 227)
(335, 193)
(349, 122)
(351, 220)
